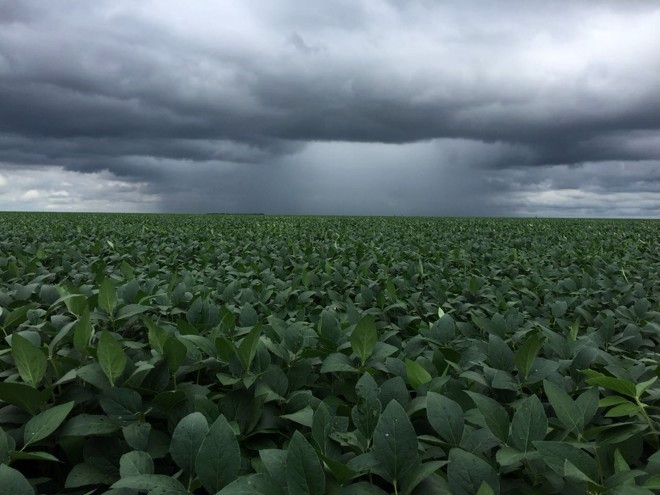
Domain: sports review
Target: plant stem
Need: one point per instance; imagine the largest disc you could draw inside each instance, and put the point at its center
(642, 410)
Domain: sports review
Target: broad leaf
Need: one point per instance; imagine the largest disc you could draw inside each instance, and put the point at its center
(466, 472)
(131, 310)
(619, 385)
(529, 424)
(395, 442)
(85, 474)
(418, 475)
(107, 296)
(219, 458)
(175, 353)
(495, 415)
(554, 454)
(416, 374)
(82, 332)
(566, 410)
(364, 338)
(22, 395)
(248, 347)
(30, 361)
(304, 473)
(157, 336)
(110, 356)
(135, 463)
(187, 439)
(527, 352)
(46, 423)
(445, 416)
(253, 484)
(149, 482)
(13, 482)
(85, 425)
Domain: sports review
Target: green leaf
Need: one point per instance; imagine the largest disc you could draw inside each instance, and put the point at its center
(93, 374)
(187, 439)
(500, 355)
(627, 409)
(157, 336)
(219, 458)
(248, 347)
(613, 400)
(82, 332)
(364, 338)
(416, 374)
(89, 425)
(466, 472)
(366, 412)
(365, 415)
(527, 352)
(322, 426)
(418, 475)
(529, 424)
(616, 384)
(42, 425)
(304, 473)
(13, 482)
(554, 454)
(508, 456)
(253, 484)
(495, 415)
(444, 330)
(304, 417)
(33, 456)
(7, 444)
(175, 354)
(275, 462)
(84, 474)
(123, 405)
(485, 489)
(362, 488)
(148, 482)
(75, 303)
(248, 316)
(110, 356)
(135, 463)
(558, 308)
(340, 471)
(653, 483)
(17, 316)
(620, 464)
(640, 388)
(337, 362)
(137, 435)
(395, 442)
(131, 310)
(366, 387)
(566, 410)
(587, 402)
(107, 297)
(30, 361)
(445, 416)
(22, 395)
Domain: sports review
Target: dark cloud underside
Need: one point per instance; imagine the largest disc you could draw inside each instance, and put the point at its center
(371, 107)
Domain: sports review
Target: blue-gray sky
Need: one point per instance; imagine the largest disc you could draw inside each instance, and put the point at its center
(385, 107)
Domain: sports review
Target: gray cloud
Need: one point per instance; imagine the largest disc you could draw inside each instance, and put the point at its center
(375, 106)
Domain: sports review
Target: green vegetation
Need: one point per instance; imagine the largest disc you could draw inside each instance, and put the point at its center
(290, 355)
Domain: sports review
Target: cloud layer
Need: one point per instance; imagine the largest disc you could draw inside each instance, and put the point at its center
(364, 107)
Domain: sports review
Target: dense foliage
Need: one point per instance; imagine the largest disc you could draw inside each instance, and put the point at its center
(272, 355)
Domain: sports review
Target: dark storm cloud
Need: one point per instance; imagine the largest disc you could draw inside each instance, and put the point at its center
(226, 104)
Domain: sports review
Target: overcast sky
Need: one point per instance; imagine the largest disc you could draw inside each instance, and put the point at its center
(331, 107)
